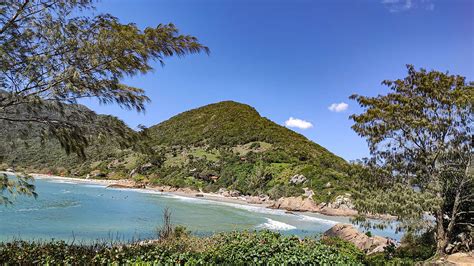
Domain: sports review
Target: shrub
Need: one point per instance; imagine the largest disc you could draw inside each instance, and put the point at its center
(263, 247)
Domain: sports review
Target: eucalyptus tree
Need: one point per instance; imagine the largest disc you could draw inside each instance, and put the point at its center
(53, 53)
(420, 138)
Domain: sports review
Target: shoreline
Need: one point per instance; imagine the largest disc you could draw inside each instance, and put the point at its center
(128, 184)
(301, 207)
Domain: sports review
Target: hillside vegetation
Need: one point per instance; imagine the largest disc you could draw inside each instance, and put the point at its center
(223, 145)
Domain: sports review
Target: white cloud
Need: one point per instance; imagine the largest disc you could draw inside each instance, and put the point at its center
(298, 123)
(338, 107)
(405, 5)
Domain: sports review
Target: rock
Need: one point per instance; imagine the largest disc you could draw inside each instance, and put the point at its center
(295, 204)
(337, 212)
(133, 172)
(257, 199)
(297, 179)
(119, 186)
(342, 202)
(97, 173)
(308, 192)
(461, 258)
(222, 190)
(288, 212)
(214, 178)
(146, 167)
(264, 197)
(234, 193)
(199, 195)
(229, 193)
(349, 233)
(328, 185)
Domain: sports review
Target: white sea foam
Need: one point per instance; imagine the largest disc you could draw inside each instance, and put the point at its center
(61, 181)
(315, 219)
(276, 225)
(250, 208)
(96, 186)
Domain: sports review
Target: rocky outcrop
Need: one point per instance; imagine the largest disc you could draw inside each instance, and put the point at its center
(295, 204)
(308, 192)
(342, 202)
(297, 179)
(341, 206)
(97, 174)
(460, 258)
(229, 193)
(258, 199)
(349, 233)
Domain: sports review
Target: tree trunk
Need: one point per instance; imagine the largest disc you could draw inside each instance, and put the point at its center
(441, 237)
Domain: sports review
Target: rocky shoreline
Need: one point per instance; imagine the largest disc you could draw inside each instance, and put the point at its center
(342, 205)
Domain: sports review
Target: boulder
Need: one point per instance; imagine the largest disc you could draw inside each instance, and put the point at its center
(460, 258)
(146, 167)
(308, 192)
(297, 179)
(97, 174)
(257, 199)
(349, 233)
(234, 193)
(342, 202)
(328, 185)
(295, 204)
(214, 178)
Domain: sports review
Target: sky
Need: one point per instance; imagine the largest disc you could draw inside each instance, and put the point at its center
(296, 61)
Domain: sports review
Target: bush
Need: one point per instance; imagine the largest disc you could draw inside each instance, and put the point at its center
(263, 247)
(344, 247)
(417, 247)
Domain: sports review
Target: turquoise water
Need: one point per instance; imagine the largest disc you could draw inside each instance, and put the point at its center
(85, 212)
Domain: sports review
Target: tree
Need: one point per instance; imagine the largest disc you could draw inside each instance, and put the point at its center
(52, 54)
(420, 138)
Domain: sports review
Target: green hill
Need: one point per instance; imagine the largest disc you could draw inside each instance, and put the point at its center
(222, 145)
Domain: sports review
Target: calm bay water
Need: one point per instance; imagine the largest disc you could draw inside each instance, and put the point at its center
(85, 212)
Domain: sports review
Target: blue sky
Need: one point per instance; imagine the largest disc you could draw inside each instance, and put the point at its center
(296, 58)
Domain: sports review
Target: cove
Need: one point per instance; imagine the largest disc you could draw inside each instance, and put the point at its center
(84, 212)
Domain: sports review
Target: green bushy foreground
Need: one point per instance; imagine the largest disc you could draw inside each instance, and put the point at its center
(235, 248)
(264, 247)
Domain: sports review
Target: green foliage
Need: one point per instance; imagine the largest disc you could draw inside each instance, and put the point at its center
(227, 248)
(18, 185)
(52, 53)
(417, 247)
(420, 138)
(344, 247)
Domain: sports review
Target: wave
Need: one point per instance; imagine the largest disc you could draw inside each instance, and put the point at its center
(60, 206)
(246, 207)
(316, 219)
(95, 186)
(276, 225)
(61, 181)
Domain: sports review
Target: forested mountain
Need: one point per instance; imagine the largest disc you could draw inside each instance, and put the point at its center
(222, 145)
